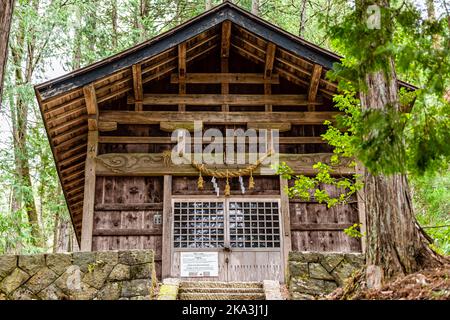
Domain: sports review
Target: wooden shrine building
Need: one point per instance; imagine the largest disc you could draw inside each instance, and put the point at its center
(110, 126)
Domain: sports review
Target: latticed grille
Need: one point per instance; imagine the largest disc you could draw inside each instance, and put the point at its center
(199, 224)
(254, 224)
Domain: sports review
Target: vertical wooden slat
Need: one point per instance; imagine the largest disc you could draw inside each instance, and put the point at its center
(89, 192)
(224, 55)
(182, 72)
(91, 106)
(284, 206)
(361, 208)
(137, 86)
(167, 227)
(314, 86)
(270, 58)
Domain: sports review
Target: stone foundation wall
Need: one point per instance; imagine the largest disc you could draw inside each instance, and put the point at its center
(107, 275)
(314, 274)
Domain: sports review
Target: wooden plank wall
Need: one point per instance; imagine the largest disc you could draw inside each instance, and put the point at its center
(314, 227)
(124, 214)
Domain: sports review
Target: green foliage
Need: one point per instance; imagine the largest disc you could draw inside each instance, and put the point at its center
(306, 188)
(354, 231)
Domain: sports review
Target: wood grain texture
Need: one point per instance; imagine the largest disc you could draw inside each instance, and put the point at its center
(89, 192)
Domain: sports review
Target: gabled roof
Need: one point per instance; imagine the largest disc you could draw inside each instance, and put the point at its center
(63, 104)
(189, 29)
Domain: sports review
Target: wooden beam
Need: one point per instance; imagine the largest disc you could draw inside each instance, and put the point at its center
(270, 58)
(155, 117)
(314, 86)
(126, 232)
(168, 140)
(155, 164)
(268, 67)
(360, 170)
(107, 126)
(167, 227)
(91, 105)
(89, 192)
(128, 206)
(137, 86)
(226, 39)
(286, 218)
(182, 74)
(320, 226)
(226, 77)
(224, 54)
(231, 99)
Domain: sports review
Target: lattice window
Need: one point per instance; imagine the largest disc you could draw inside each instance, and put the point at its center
(254, 224)
(199, 225)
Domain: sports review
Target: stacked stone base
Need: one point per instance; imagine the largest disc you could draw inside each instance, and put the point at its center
(315, 274)
(108, 275)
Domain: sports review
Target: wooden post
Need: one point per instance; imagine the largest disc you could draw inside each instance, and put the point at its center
(314, 86)
(284, 205)
(224, 55)
(182, 73)
(360, 170)
(89, 192)
(137, 86)
(270, 58)
(167, 228)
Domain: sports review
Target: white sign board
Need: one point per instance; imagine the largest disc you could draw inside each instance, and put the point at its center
(199, 264)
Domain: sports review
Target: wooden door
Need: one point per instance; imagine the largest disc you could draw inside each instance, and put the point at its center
(254, 237)
(245, 234)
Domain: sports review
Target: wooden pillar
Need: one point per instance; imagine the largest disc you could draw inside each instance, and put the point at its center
(224, 55)
(268, 68)
(167, 228)
(182, 73)
(89, 192)
(314, 86)
(286, 220)
(360, 170)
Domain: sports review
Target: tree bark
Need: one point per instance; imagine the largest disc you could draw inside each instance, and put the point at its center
(6, 10)
(255, 7)
(19, 114)
(208, 4)
(301, 28)
(395, 243)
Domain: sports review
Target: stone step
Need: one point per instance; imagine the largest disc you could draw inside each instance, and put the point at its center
(219, 290)
(221, 296)
(219, 284)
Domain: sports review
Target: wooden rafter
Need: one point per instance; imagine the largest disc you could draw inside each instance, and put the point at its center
(314, 86)
(91, 106)
(182, 73)
(137, 86)
(268, 68)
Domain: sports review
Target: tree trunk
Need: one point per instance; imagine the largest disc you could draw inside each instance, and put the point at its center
(114, 24)
(6, 10)
(19, 115)
(395, 243)
(301, 28)
(255, 7)
(208, 4)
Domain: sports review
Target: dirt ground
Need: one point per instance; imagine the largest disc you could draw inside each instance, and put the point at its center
(428, 284)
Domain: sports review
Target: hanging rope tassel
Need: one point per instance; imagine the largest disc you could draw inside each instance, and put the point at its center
(200, 182)
(227, 191)
(251, 182)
